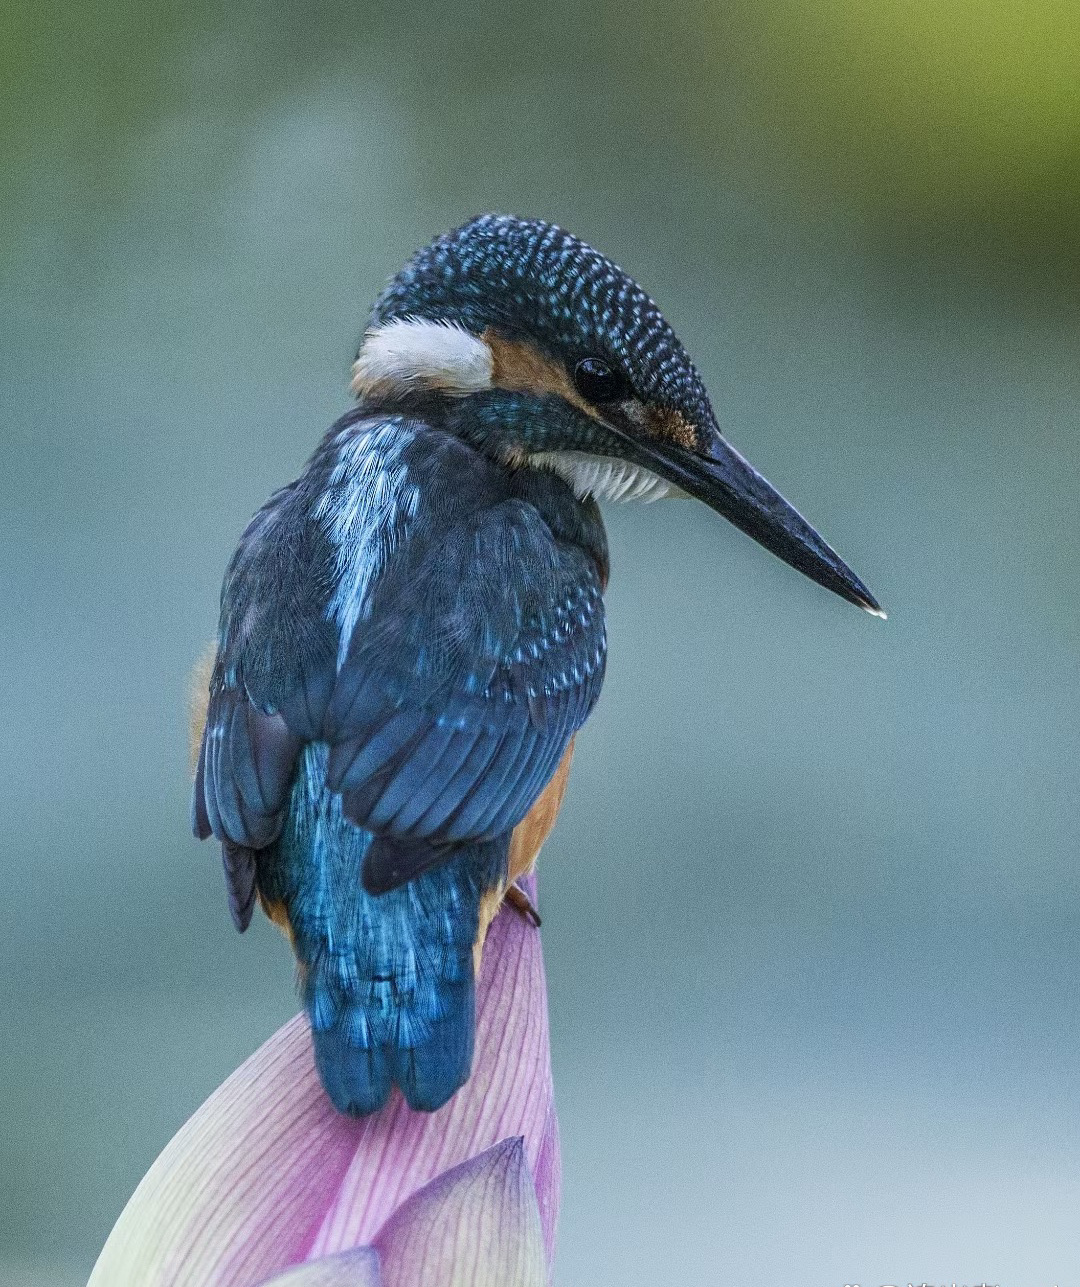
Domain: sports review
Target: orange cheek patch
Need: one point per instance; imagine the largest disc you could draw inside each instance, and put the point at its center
(521, 367)
(524, 369)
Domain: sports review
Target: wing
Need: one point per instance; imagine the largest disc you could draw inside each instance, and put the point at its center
(298, 578)
(483, 654)
(443, 635)
(272, 676)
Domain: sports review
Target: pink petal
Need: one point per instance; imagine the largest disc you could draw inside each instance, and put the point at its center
(508, 1094)
(359, 1268)
(241, 1189)
(477, 1225)
(267, 1174)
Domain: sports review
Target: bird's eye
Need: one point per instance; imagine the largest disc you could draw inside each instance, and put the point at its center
(597, 381)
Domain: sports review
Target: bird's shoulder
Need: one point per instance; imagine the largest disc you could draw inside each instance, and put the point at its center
(400, 527)
(307, 560)
(359, 494)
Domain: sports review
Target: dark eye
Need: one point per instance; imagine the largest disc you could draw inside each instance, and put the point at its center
(597, 381)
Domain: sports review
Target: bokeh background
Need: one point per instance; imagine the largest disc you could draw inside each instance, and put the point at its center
(811, 912)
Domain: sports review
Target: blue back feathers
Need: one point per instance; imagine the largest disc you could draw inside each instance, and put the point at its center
(410, 635)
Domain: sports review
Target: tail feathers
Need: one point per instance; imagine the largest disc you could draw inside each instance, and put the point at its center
(429, 1073)
(357, 1079)
(387, 977)
(379, 1036)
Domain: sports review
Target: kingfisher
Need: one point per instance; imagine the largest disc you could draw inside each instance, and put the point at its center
(412, 632)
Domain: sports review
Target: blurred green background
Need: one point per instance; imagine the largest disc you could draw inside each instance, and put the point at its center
(811, 912)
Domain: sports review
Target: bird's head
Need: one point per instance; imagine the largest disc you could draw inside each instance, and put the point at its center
(542, 352)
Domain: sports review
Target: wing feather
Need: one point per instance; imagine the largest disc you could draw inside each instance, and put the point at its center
(480, 658)
(447, 696)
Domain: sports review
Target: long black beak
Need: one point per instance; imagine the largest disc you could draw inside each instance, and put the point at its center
(729, 484)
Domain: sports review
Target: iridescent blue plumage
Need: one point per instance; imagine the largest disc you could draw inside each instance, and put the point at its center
(387, 978)
(410, 636)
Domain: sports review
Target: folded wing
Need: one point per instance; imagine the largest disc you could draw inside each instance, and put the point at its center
(447, 687)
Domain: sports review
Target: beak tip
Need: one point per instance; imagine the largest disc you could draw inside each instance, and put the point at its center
(730, 485)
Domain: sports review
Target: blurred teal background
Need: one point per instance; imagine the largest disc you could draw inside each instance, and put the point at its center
(811, 911)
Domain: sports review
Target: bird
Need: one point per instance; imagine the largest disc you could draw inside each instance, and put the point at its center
(412, 631)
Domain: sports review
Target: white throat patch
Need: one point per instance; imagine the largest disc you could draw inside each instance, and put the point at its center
(605, 477)
(409, 354)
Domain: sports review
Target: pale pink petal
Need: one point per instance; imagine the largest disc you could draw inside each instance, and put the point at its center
(241, 1189)
(509, 1094)
(267, 1174)
(359, 1268)
(477, 1225)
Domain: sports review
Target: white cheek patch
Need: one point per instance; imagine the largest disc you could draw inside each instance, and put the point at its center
(409, 355)
(605, 477)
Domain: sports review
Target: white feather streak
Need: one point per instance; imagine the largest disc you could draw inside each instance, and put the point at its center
(364, 511)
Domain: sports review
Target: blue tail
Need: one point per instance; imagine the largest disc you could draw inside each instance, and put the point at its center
(387, 979)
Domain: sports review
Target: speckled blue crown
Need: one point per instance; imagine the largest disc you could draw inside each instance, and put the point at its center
(532, 279)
